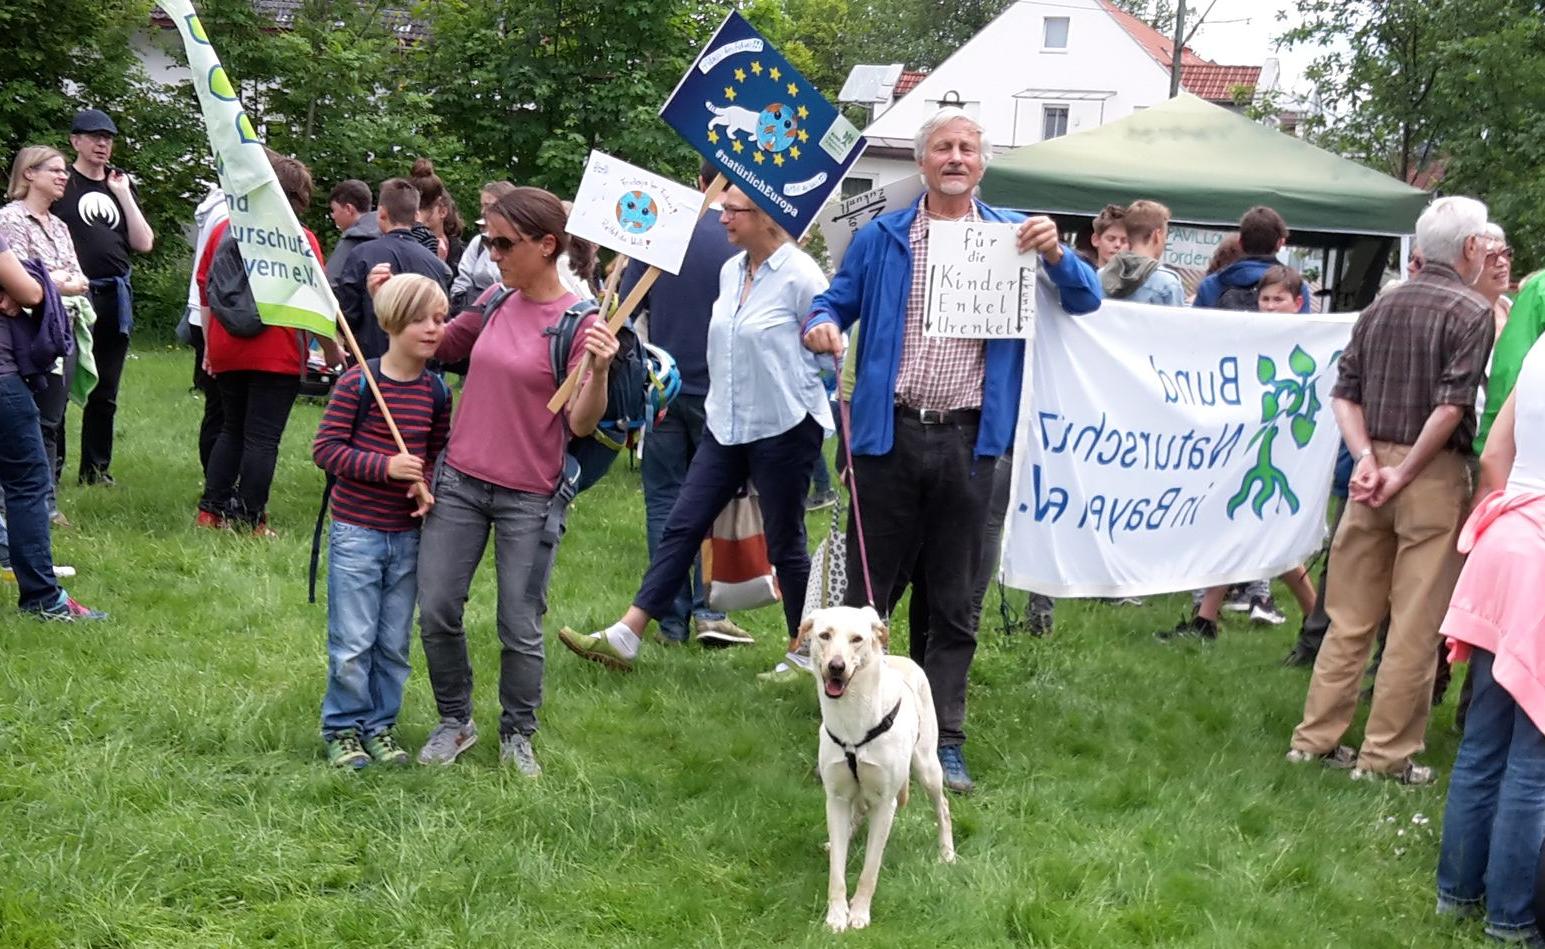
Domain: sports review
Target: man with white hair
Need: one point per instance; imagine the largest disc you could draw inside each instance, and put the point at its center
(931, 415)
(1405, 401)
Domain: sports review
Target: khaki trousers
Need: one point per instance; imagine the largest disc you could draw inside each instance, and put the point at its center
(1400, 558)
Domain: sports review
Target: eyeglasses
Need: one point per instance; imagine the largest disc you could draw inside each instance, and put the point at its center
(1501, 253)
(732, 210)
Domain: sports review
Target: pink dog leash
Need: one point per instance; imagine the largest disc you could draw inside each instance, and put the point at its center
(846, 420)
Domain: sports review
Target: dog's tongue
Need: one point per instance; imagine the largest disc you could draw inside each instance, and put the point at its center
(835, 688)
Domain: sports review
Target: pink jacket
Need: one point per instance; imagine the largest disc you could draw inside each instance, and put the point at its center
(1499, 602)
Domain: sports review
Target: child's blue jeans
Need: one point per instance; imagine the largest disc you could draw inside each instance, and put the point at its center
(372, 585)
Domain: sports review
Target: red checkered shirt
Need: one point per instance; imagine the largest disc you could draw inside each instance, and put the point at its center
(936, 373)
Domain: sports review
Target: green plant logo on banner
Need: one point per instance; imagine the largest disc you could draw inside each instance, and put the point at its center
(1294, 400)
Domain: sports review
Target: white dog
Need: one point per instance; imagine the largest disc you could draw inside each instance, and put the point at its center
(733, 118)
(877, 720)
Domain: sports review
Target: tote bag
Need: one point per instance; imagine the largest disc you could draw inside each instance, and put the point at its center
(736, 569)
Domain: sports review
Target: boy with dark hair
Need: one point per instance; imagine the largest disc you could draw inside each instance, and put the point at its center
(396, 213)
(1262, 233)
(1135, 274)
(1110, 235)
(349, 204)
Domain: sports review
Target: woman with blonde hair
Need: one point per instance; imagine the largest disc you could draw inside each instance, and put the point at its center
(766, 416)
(39, 176)
(25, 478)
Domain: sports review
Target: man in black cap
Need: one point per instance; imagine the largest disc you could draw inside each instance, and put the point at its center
(105, 222)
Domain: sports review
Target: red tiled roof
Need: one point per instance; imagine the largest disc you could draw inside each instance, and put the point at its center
(1159, 46)
(398, 18)
(908, 81)
(1216, 83)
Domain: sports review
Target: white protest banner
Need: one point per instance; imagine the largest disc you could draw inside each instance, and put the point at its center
(287, 279)
(1169, 448)
(635, 212)
(979, 285)
(840, 220)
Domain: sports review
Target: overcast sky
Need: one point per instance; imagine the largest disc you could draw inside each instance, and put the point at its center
(1244, 33)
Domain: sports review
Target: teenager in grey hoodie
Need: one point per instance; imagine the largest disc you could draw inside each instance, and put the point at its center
(1135, 274)
(350, 207)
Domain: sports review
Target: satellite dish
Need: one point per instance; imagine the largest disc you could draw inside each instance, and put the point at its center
(870, 84)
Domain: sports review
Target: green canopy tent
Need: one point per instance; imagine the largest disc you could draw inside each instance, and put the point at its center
(1209, 165)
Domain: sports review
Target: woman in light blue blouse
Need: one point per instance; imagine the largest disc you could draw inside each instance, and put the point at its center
(767, 413)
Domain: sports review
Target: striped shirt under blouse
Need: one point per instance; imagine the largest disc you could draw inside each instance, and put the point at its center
(364, 495)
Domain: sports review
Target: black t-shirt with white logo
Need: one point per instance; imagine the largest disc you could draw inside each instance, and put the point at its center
(97, 226)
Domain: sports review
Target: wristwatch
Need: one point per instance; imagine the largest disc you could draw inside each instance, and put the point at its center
(1364, 453)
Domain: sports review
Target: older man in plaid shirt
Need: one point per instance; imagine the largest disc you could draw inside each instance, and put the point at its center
(1405, 400)
(932, 415)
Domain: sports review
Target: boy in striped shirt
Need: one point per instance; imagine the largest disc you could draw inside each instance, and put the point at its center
(379, 500)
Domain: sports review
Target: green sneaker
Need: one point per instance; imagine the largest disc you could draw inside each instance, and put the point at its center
(596, 648)
(795, 667)
(345, 751)
(383, 749)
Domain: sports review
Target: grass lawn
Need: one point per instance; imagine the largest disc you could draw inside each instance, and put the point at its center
(162, 784)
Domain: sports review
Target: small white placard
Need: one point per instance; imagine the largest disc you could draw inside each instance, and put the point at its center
(635, 212)
(979, 285)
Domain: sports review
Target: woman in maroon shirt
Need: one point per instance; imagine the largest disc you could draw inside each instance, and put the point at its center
(501, 473)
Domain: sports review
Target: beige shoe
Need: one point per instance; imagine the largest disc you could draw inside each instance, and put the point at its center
(718, 633)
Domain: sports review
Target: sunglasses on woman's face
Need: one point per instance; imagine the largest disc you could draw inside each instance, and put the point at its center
(503, 244)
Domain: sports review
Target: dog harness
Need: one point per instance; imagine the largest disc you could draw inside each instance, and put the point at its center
(851, 751)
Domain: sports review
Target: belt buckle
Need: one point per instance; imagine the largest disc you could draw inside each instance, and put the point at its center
(933, 417)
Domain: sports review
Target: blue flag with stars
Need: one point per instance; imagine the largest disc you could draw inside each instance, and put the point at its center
(751, 114)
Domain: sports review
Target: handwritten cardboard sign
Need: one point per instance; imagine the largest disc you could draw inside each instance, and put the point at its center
(979, 285)
(635, 212)
(840, 220)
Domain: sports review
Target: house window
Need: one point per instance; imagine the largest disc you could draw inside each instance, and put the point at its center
(856, 186)
(1054, 121)
(1055, 33)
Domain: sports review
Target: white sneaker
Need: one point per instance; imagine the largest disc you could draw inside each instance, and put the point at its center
(1265, 613)
(61, 572)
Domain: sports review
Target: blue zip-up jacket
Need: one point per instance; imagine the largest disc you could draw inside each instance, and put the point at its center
(1245, 272)
(872, 285)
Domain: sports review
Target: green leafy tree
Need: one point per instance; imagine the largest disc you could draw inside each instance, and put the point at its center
(335, 87)
(59, 55)
(1455, 87)
(531, 88)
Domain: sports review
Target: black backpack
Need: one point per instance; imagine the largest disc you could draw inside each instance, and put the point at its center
(442, 398)
(230, 293)
(1240, 298)
(627, 401)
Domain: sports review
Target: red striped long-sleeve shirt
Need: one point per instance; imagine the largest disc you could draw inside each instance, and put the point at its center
(364, 495)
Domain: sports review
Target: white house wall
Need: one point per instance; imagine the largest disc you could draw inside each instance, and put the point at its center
(1006, 58)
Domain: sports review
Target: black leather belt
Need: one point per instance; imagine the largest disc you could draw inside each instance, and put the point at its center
(940, 416)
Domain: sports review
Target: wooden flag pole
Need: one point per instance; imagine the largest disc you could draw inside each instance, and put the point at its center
(631, 302)
(608, 293)
(419, 487)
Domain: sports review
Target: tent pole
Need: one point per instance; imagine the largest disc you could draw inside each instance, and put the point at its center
(1405, 256)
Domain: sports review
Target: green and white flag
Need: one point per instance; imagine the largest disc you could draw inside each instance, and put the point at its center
(286, 277)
